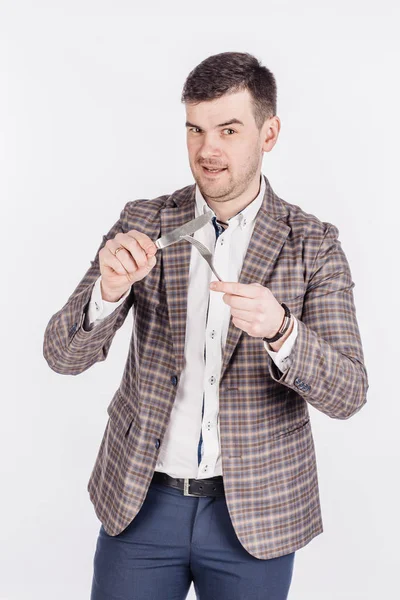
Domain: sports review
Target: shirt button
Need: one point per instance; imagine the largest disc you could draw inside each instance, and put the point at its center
(212, 380)
(174, 380)
(212, 334)
(157, 444)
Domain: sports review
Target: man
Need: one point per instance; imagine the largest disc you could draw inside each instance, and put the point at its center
(206, 471)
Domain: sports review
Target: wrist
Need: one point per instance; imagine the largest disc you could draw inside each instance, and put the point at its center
(109, 297)
(275, 346)
(282, 328)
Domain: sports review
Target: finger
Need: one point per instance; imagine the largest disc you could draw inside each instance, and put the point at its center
(111, 261)
(144, 241)
(236, 288)
(124, 257)
(240, 302)
(132, 245)
(240, 324)
(244, 315)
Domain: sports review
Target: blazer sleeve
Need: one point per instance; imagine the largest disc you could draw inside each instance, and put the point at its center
(326, 364)
(68, 348)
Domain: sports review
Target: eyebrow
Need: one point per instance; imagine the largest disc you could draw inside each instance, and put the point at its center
(230, 122)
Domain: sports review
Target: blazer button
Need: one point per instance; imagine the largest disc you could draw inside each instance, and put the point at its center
(157, 444)
(174, 380)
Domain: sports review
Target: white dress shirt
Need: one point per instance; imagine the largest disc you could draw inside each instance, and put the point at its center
(206, 331)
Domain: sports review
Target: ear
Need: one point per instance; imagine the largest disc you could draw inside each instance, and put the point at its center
(270, 132)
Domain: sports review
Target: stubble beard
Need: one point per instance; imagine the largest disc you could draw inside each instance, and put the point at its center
(229, 190)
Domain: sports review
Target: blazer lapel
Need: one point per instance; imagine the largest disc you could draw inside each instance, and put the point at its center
(176, 263)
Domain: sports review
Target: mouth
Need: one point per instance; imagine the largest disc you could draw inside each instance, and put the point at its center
(212, 172)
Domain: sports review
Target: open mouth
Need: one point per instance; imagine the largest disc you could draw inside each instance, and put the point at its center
(213, 171)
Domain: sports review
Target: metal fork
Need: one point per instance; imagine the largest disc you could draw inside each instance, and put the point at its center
(204, 251)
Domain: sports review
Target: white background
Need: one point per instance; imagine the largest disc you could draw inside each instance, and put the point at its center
(90, 119)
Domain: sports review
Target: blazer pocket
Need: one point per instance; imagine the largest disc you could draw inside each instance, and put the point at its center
(121, 414)
(295, 428)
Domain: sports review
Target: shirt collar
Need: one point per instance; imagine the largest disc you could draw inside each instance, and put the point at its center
(245, 217)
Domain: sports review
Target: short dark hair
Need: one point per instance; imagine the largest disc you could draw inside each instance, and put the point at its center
(230, 72)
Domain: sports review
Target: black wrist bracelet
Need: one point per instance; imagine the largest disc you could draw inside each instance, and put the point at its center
(283, 328)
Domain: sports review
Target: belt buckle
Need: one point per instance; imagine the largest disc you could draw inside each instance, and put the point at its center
(186, 489)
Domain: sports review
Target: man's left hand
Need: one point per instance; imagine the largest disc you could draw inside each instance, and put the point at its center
(254, 308)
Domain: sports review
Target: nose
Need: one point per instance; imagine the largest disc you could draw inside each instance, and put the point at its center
(211, 147)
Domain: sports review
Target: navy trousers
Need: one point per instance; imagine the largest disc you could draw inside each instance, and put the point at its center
(175, 540)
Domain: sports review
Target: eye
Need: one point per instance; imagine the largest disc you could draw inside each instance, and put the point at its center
(191, 129)
(228, 129)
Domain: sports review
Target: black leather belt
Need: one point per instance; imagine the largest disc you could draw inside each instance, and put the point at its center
(213, 486)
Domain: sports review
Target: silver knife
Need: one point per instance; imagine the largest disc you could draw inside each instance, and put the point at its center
(187, 229)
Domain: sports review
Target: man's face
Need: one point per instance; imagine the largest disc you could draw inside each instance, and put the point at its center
(213, 140)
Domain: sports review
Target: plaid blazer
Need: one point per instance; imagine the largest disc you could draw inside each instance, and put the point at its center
(268, 456)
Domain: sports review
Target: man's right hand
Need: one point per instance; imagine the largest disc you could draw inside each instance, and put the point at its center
(131, 264)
